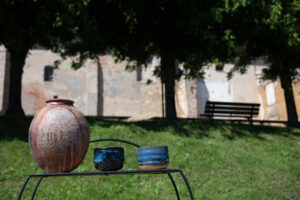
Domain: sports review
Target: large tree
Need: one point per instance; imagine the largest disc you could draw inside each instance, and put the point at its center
(187, 31)
(268, 29)
(28, 23)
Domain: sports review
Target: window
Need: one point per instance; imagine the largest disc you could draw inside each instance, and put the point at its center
(149, 60)
(139, 73)
(219, 67)
(48, 73)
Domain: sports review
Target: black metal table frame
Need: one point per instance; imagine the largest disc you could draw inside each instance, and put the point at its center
(160, 171)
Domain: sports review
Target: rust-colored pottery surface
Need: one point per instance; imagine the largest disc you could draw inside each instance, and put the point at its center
(59, 136)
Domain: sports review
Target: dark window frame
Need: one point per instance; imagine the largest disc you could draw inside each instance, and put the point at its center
(48, 73)
(139, 74)
(220, 68)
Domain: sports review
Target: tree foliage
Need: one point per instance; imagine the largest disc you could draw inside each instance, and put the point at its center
(268, 29)
(190, 32)
(25, 24)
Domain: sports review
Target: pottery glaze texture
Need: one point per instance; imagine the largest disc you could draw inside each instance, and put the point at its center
(59, 137)
(107, 159)
(153, 157)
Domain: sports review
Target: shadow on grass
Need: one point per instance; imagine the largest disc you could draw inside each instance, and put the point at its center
(16, 127)
(203, 128)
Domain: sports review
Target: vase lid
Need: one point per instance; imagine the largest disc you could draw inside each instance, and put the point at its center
(60, 101)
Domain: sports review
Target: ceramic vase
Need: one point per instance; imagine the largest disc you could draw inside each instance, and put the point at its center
(59, 136)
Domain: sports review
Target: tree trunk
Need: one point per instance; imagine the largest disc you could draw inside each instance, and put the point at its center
(17, 61)
(286, 84)
(168, 77)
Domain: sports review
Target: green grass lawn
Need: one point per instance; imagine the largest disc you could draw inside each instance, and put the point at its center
(221, 161)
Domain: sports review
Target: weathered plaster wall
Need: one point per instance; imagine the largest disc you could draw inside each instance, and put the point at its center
(296, 90)
(216, 87)
(4, 79)
(281, 105)
(181, 98)
(2, 76)
(124, 95)
(280, 102)
(101, 88)
(241, 88)
(186, 98)
(104, 88)
(151, 93)
(79, 85)
(246, 88)
(273, 100)
(263, 103)
(191, 93)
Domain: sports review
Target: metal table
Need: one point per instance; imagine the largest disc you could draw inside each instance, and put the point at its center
(128, 172)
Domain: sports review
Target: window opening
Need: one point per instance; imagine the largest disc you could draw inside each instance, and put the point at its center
(219, 67)
(48, 73)
(139, 73)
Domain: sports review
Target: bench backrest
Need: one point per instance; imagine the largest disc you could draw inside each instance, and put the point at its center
(231, 109)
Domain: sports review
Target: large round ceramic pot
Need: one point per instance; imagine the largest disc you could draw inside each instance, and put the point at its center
(59, 136)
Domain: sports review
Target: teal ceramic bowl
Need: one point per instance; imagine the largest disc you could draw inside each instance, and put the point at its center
(109, 159)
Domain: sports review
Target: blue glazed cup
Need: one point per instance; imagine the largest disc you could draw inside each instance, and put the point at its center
(109, 159)
(153, 157)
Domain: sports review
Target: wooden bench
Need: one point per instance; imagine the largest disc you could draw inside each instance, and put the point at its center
(231, 110)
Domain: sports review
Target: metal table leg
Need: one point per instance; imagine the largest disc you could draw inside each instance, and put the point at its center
(23, 187)
(187, 184)
(174, 185)
(118, 140)
(136, 145)
(36, 187)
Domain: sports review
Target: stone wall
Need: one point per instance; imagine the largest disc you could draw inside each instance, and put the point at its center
(125, 95)
(281, 105)
(217, 87)
(100, 88)
(104, 88)
(248, 87)
(78, 85)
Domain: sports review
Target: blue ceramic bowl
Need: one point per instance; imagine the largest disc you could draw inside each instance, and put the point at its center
(153, 157)
(109, 159)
